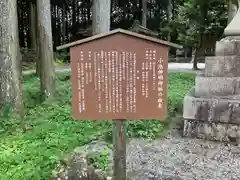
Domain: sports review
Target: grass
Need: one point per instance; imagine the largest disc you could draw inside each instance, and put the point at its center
(33, 155)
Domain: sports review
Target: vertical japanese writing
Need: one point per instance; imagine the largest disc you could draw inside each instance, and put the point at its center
(150, 61)
(113, 58)
(154, 75)
(80, 107)
(86, 72)
(82, 86)
(120, 82)
(110, 81)
(143, 79)
(95, 70)
(80, 99)
(78, 70)
(106, 81)
(134, 83)
(79, 75)
(117, 81)
(81, 90)
(99, 82)
(131, 82)
(81, 56)
(102, 70)
(90, 65)
(124, 65)
(79, 87)
(127, 82)
(146, 73)
(160, 82)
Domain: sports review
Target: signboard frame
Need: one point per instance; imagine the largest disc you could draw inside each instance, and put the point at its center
(118, 46)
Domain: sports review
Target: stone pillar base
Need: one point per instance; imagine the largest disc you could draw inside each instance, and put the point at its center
(211, 118)
(212, 109)
(212, 131)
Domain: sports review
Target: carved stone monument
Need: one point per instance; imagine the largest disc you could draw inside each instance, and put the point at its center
(212, 108)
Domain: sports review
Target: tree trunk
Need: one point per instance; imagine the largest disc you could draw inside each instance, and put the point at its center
(64, 22)
(88, 13)
(170, 15)
(198, 52)
(204, 12)
(33, 25)
(101, 16)
(144, 13)
(10, 59)
(33, 30)
(47, 70)
(74, 13)
(195, 67)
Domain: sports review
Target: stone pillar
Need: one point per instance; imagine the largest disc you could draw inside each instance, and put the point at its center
(233, 28)
(211, 109)
(232, 10)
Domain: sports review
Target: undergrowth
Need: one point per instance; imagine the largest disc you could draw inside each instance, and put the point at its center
(52, 132)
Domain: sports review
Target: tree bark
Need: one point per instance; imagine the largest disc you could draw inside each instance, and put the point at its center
(47, 70)
(204, 12)
(64, 22)
(170, 15)
(195, 59)
(144, 13)
(101, 16)
(33, 24)
(33, 32)
(10, 59)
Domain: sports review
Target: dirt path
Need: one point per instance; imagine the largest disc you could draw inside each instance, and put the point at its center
(172, 67)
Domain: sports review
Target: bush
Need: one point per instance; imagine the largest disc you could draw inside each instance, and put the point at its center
(52, 131)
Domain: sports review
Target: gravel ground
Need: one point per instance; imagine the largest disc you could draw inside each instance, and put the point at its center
(178, 158)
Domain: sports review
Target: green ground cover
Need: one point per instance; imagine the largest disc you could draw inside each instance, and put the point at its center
(52, 132)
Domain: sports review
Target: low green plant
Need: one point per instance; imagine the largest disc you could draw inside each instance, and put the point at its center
(33, 155)
(59, 62)
(64, 55)
(5, 117)
(99, 160)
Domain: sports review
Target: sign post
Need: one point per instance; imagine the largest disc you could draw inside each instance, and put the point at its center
(119, 75)
(119, 149)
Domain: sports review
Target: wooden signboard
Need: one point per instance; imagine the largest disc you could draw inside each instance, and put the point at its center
(119, 75)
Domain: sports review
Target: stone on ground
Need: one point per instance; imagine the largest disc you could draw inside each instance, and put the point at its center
(76, 167)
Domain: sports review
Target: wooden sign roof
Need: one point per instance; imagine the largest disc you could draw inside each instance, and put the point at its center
(122, 31)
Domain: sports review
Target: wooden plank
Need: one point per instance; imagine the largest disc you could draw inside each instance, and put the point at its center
(119, 149)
